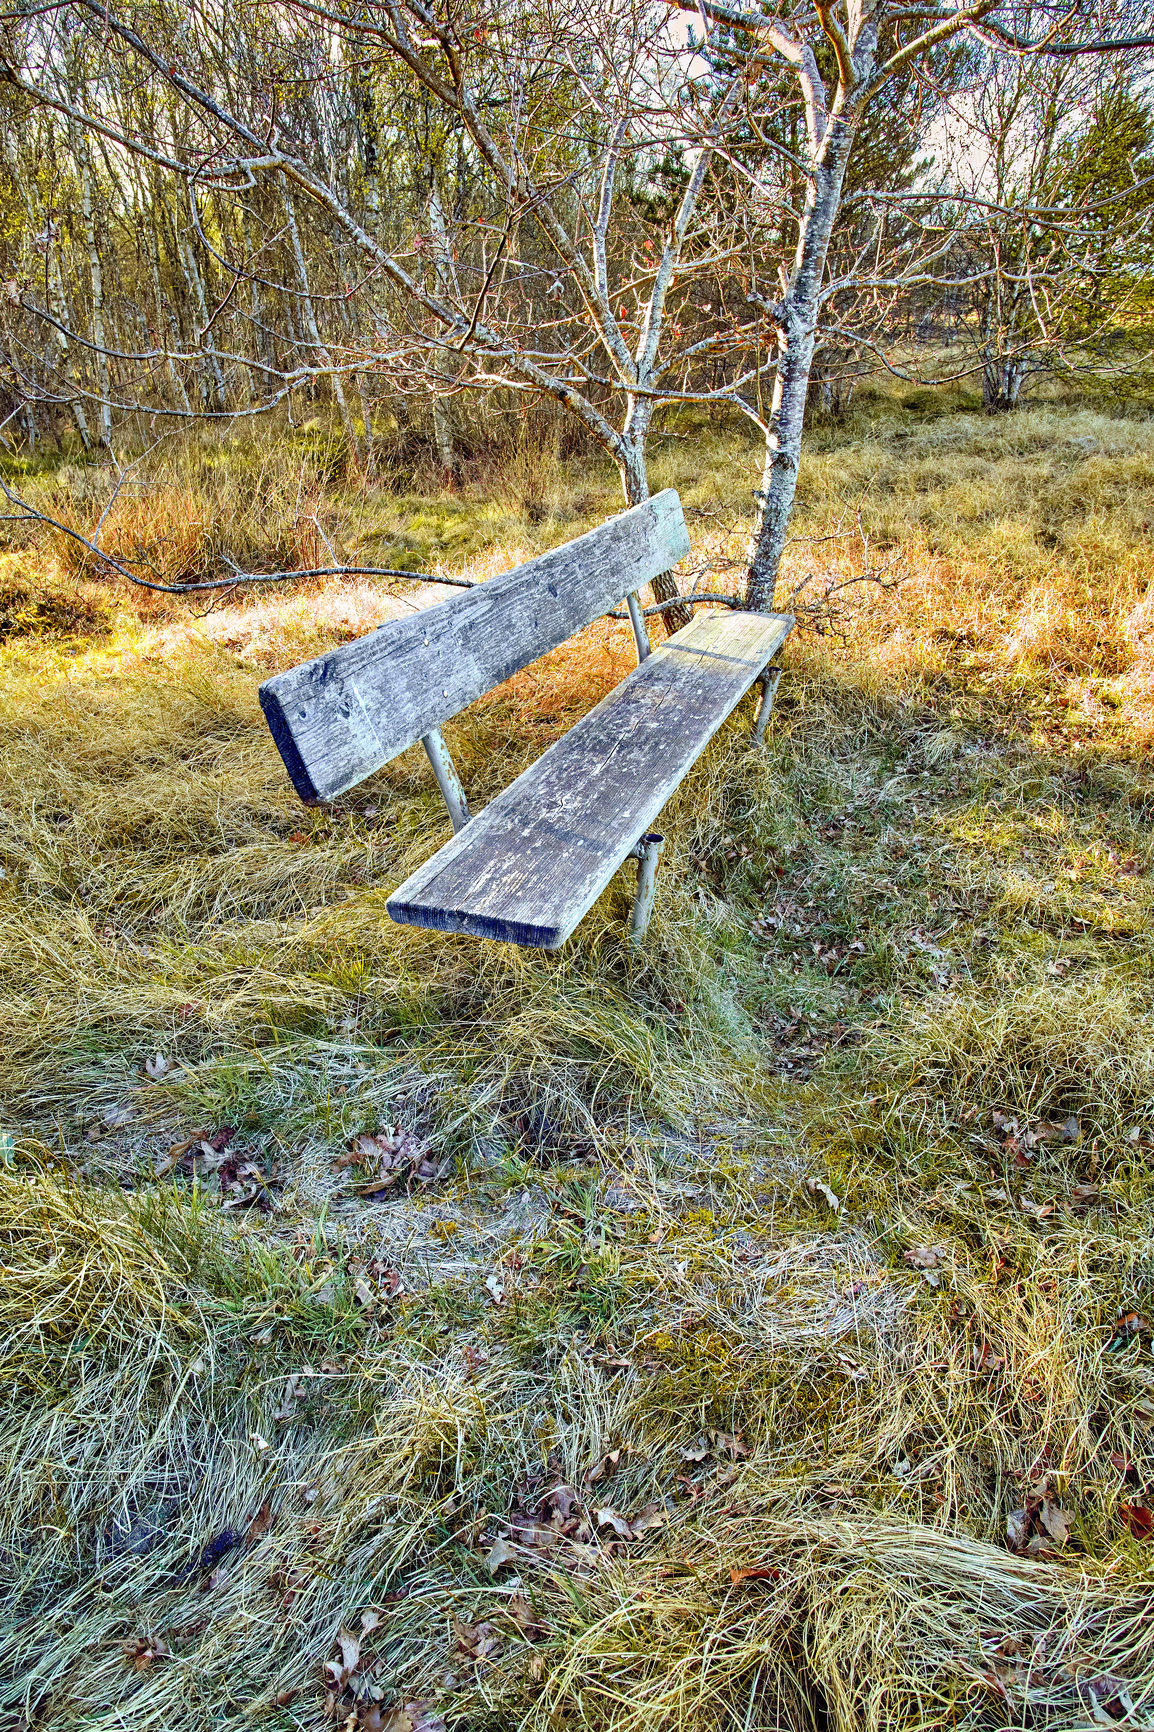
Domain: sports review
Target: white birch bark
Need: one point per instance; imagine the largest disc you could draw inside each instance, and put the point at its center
(831, 136)
(96, 278)
(309, 320)
(200, 305)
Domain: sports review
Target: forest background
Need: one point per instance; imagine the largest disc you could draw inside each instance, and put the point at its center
(405, 1333)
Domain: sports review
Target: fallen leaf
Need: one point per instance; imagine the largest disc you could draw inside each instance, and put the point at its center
(820, 1189)
(561, 1501)
(260, 1523)
(1055, 1521)
(1109, 1699)
(731, 1444)
(1138, 1519)
(1018, 1531)
(651, 1517)
(610, 1518)
(754, 1573)
(118, 1116)
(696, 1451)
(924, 1256)
(157, 1066)
(475, 1642)
(395, 1156)
(495, 1288)
(524, 1617)
(144, 1650)
(499, 1554)
(603, 1467)
(339, 1671)
(413, 1717)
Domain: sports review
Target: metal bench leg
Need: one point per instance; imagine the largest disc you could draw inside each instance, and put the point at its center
(770, 680)
(648, 856)
(448, 780)
(637, 620)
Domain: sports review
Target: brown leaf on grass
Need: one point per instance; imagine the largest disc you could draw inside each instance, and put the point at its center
(1108, 1699)
(539, 1536)
(1018, 1531)
(604, 1466)
(499, 1554)
(818, 1188)
(525, 1618)
(1129, 1324)
(169, 1162)
(1049, 1131)
(260, 1523)
(143, 1650)
(560, 1501)
(1138, 1519)
(648, 1519)
(339, 1670)
(413, 1717)
(924, 1256)
(393, 1156)
(754, 1573)
(697, 1451)
(611, 1518)
(731, 1443)
(1055, 1521)
(475, 1642)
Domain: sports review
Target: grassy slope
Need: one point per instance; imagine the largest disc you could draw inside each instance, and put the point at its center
(922, 914)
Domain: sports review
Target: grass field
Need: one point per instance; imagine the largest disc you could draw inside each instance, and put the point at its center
(402, 1332)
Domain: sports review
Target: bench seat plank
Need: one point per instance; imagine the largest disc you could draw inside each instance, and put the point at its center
(338, 718)
(529, 866)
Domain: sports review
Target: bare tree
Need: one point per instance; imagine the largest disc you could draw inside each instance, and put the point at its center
(569, 271)
(843, 57)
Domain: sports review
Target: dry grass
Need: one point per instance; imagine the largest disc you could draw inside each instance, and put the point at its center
(901, 961)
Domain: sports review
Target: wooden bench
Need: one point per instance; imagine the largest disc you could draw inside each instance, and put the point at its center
(531, 865)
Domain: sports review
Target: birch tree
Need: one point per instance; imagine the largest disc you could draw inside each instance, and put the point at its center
(844, 57)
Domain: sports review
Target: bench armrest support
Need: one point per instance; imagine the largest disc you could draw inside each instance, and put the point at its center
(448, 780)
(637, 620)
(770, 680)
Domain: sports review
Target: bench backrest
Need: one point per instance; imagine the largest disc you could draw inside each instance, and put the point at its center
(338, 718)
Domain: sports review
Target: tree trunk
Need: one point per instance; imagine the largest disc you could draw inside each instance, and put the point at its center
(797, 319)
(635, 486)
(74, 403)
(442, 263)
(308, 314)
(1002, 380)
(96, 277)
(200, 304)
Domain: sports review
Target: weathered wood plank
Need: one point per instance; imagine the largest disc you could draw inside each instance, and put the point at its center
(529, 866)
(338, 718)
